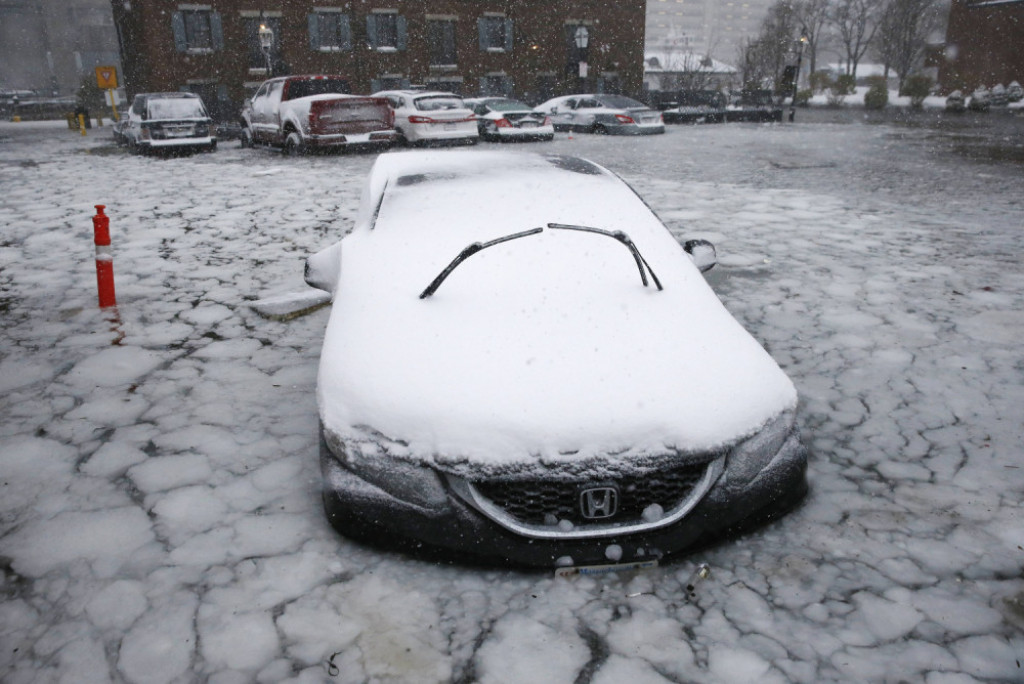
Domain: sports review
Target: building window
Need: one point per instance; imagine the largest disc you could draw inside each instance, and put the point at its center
(254, 51)
(386, 30)
(448, 85)
(329, 31)
(495, 33)
(389, 82)
(496, 85)
(441, 42)
(196, 29)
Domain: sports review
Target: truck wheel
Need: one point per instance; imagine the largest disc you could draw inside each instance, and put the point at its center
(293, 144)
(245, 138)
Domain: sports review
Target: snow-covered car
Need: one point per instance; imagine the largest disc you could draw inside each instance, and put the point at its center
(1014, 92)
(315, 112)
(955, 102)
(980, 100)
(423, 116)
(504, 119)
(523, 366)
(168, 121)
(611, 114)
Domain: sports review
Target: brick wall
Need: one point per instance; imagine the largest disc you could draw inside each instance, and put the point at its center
(534, 59)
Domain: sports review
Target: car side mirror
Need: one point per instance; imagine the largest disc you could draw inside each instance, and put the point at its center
(323, 269)
(703, 254)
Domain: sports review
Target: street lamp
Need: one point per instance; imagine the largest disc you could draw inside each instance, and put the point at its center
(266, 36)
(796, 77)
(582, 38)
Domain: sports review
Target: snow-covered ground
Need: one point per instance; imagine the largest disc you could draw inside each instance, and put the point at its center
(160, 517)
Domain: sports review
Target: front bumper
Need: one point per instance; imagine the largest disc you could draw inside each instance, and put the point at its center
(434, 518)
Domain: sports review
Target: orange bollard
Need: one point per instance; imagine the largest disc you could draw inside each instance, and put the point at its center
(104, 258)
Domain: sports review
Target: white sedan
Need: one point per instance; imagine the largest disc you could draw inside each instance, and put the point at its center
(426, 116)
(505, 119)
(602, 113)
(523, 366)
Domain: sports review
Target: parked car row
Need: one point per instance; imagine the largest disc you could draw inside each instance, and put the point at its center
(298, 114)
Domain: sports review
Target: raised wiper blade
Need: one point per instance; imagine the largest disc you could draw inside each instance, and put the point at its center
(469, 251)
(641, 263)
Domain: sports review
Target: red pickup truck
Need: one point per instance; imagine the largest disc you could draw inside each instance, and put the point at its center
(304, 113)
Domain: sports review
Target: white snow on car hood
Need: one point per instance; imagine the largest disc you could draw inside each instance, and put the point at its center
(545, 346)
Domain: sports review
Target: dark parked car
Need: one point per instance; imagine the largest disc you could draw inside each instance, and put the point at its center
(695, 106)
(523, 366)
(756, 106)
(168, 122)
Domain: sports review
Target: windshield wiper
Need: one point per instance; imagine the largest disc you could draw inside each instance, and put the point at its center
(470, 251)
(624, 239)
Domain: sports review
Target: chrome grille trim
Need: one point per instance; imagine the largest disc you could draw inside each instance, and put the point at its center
(468, 493)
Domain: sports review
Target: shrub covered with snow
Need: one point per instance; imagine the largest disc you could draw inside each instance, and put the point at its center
(917, 88)
(877, 96)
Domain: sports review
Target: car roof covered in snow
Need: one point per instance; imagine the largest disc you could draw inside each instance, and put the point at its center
(548, 345)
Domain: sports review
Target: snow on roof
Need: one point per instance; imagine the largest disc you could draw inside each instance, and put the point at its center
(674, 61)
(544, 345)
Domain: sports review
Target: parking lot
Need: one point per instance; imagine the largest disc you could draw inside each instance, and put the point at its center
(161, 519)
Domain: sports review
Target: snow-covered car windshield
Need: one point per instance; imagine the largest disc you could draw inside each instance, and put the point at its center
(318, 86)
(176, 108)
(620, 102)
(433, 103)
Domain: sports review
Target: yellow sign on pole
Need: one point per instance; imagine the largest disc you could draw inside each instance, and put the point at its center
(106, 77)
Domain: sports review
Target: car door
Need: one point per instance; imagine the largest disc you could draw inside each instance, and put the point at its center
(254, 109)
(561, 113)
(135, 117)
(272, 112)
(585, 111)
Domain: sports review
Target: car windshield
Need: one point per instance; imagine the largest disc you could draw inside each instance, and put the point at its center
(433, 103)
(619, 102)
(318, 86)
(176, 108)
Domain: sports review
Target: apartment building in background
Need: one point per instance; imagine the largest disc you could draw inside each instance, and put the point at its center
(49, 46)
(523, 48)
(708, 28)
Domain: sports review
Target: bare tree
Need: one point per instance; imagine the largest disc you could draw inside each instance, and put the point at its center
(813, 17)
(903, 33)
(762, 59)
(856, 22)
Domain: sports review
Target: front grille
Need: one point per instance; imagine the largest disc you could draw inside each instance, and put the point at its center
(537, 502)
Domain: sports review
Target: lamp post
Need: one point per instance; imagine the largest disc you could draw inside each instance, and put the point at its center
(582, 38)
(266, 36)
(796, 77)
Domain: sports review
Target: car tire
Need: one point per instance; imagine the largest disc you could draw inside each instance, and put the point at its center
(293, 144)
(600, 129)
(245, 137)
(401, 140)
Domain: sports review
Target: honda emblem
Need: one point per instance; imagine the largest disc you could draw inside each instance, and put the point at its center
(599, 502)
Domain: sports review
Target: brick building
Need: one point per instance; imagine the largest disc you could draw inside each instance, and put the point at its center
(983, 44)
(524, 48)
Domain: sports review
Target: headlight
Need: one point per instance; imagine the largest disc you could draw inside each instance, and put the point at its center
(408, 482)
(749, 457)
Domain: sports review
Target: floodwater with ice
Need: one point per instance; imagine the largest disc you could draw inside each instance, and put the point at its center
(160, 516)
